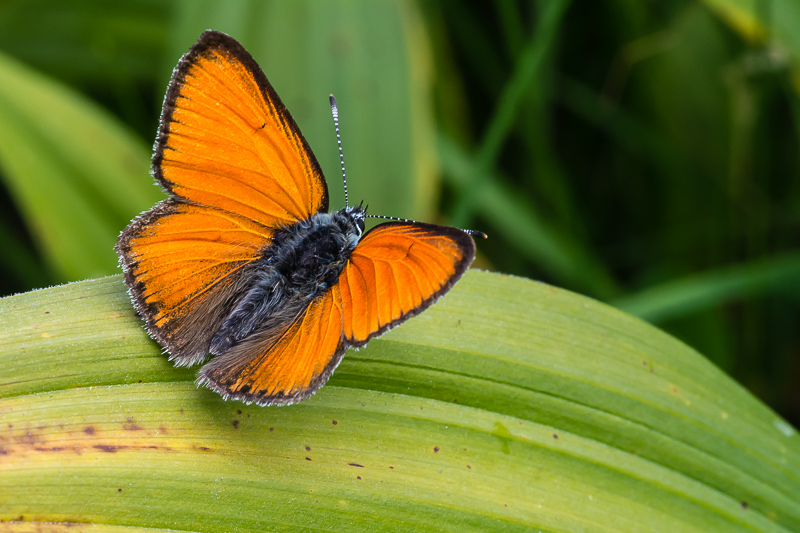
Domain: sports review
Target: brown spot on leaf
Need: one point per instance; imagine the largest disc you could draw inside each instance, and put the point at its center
(358, 477)
(308, 448)
(334, 422)
(108, 448)
(235, 424)
(132, 427)
(89, 430)
(435, 449)
(555, 436)
(238, 411)
(745, 505)
(308, 458)
(358, 465)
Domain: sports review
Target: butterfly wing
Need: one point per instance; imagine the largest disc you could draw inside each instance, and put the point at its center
(281, 368)
(236, 167)
(396, 271)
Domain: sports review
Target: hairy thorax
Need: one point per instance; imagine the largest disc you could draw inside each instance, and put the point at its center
(302, 262)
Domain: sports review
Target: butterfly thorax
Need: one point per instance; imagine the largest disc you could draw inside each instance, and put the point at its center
(302, 262)
(310, 254)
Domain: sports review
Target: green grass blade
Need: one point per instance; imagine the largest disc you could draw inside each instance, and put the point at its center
(709, 289)
(74, 173)
(521, 82)
(510, 405)
(776, 20)
(559, 255)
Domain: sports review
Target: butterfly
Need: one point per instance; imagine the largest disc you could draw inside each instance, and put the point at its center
(244, 262)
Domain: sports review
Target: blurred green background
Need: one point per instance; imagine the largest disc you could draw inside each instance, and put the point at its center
(643, 153)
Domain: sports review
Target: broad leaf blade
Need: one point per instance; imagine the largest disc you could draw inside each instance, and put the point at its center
(509, 405)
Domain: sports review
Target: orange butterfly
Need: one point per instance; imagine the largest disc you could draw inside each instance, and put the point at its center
(243, 260)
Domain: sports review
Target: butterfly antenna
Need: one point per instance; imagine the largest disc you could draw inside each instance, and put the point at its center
(478, 234)
(335, 113)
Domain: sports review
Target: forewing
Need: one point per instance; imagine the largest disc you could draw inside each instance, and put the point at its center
(185, 266)
(227, 141)
(397, 270)
(283, 367)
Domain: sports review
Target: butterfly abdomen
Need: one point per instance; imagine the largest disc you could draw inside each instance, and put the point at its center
(302, 262)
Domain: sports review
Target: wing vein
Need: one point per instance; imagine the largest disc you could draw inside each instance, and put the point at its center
(186, 166)
(267, 112)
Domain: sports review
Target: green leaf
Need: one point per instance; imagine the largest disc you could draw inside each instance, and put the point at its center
(705, 290)
(522, 82)
(775, 21)
(75, 174)
(510, 405)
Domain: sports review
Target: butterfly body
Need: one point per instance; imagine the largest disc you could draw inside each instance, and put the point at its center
(244, 262)
(303, 261)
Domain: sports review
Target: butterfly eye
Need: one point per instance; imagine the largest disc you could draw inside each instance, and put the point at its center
(357, 216)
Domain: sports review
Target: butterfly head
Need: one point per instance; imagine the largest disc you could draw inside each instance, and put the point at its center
(358, 214)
